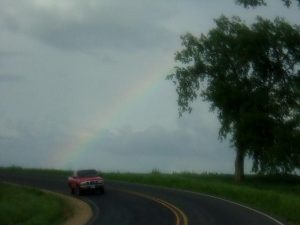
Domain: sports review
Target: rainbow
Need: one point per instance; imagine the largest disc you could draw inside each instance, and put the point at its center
(78, 146)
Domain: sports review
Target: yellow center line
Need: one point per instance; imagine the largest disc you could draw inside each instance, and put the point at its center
(181, 218)
(180, 212)
(167, 206)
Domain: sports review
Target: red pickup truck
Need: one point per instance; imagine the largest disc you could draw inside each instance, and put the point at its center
(85, 180)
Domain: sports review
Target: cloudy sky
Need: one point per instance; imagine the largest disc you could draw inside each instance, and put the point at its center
(82, 84)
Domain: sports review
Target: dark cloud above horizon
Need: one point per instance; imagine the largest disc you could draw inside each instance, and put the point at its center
(90, 25)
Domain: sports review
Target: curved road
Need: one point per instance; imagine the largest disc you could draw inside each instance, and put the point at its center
(133, 204)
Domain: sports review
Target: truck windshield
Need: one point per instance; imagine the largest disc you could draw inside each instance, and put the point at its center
(86, 173)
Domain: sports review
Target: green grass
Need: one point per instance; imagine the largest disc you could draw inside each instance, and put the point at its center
(27, 206)
(36, 171)
(278, 196)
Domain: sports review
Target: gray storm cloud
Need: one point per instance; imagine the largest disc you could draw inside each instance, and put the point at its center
(79, 25)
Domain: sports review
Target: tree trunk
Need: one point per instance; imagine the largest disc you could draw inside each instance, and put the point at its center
(239, 165)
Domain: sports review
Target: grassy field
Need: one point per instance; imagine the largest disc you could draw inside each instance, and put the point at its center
(26, 206)
(276, 195)
(51, 172)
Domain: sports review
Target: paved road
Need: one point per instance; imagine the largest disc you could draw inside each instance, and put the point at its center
(133, 204)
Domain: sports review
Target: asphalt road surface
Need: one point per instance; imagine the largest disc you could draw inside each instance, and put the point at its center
(133, 204)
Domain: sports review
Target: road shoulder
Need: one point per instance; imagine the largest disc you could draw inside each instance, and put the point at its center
(81, 211)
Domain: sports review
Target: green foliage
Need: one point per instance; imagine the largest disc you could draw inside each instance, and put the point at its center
(251, 77)
(254, 3)
(25, 206)
(155, 171)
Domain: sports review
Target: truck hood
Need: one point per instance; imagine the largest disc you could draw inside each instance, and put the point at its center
(83, 179)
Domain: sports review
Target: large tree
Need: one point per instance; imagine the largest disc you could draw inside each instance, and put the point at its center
(251, 77)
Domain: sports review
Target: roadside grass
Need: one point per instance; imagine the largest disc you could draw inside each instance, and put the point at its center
(27, 206)
(36, 171)
(277, 196)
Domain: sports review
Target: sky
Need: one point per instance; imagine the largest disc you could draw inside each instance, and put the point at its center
(83, 85)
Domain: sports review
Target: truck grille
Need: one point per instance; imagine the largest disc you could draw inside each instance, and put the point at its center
(92, 182)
